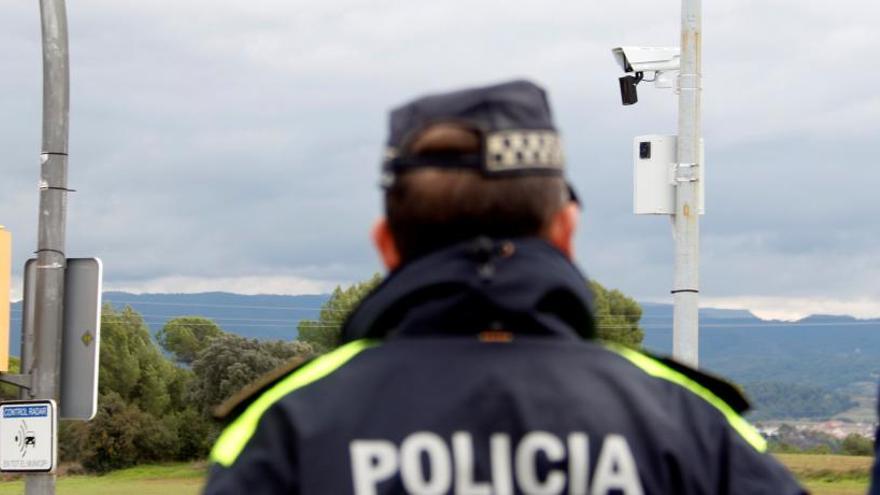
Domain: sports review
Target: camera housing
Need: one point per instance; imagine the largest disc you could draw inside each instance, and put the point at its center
(636, 60)
(647, 59)
(654, 184)
(628, 93)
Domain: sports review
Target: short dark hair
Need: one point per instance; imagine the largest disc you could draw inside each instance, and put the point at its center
(429, 208)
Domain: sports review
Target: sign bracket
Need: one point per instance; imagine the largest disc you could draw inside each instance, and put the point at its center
(21, 381)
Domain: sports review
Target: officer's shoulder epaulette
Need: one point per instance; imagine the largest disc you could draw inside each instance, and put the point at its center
(230, 408)
(725, 397)
(721, 389)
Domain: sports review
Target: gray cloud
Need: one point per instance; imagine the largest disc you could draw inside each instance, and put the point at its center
(240, 139)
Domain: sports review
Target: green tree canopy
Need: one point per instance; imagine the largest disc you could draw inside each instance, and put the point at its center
(145, 410)
(617, 316)
(123, 435)
(855, 444)
(777, 400)
(229, 363)
(132, 365)
(323, 334)
(185, 336)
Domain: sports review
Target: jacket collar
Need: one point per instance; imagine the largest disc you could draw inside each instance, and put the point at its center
(523, 286)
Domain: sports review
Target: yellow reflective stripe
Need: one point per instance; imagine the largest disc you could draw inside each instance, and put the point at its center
(660, 370)
(234, 438)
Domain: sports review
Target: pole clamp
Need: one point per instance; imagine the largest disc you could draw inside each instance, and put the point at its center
(687, 168)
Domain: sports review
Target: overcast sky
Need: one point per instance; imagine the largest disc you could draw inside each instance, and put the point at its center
(234, 145)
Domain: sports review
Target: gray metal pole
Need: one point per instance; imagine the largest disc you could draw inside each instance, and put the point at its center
(685, 339)
(51, 259)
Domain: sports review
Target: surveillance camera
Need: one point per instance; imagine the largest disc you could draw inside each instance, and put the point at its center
(647, 59)
(637, 60)
(628, 93)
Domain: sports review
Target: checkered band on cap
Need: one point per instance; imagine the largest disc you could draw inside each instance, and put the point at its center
(523, 150)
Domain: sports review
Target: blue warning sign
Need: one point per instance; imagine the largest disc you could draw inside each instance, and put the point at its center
(26, 412)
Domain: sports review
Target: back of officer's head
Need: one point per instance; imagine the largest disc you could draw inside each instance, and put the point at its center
(429, 208)
(438, 191)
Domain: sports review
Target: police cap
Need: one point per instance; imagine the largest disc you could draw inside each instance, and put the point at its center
(512, 120)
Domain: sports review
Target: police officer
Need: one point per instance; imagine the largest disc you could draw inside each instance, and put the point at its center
(874, 489)
(471, 369)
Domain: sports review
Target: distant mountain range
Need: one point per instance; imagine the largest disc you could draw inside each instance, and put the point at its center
(827, 351)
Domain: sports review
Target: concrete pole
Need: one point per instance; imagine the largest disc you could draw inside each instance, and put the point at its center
(685, 338)
(51, 259)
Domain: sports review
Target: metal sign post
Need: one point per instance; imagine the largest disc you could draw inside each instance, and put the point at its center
(43, 360)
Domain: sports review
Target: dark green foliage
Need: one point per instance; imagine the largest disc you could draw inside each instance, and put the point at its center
(185, 336)
(133, 367)
(792, 440)
(119, 436)
(793, 400)
(72, 438)
(195, 433)
(617, 316)
(855, 444)
(323, 333)
(789, 439)
(144, 411)
(231, 362)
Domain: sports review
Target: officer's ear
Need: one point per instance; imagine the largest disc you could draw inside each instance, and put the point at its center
(385, 245)
(562, 228)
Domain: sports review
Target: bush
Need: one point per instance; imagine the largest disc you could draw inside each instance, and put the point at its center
(231, 362)
(855, 444)
(121, 435)
(72, 439)
(195, 434)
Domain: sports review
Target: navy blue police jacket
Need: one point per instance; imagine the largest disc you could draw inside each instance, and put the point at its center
(471, 371)
(875, 470)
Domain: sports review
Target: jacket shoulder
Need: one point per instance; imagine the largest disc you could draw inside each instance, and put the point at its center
(720, 394)
(236, 404)
(307, 368)
(256, 400)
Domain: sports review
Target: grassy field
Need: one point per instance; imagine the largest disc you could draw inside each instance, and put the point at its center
(822, 474)
(176, 479)
(830, 474)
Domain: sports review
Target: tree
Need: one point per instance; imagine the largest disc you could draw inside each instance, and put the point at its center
(196, 433)
(323, 333)
(855, 444)
(121, 435)
(617, 316)
(144, 411)
(132, 365)
(229, 363)
(185, 336)
(777, 400)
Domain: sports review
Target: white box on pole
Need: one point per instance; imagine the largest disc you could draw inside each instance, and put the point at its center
(654, 159)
